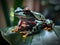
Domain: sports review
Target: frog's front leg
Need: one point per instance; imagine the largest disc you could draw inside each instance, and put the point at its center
(16, 29)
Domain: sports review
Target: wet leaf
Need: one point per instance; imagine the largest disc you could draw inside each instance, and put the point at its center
(14, 38)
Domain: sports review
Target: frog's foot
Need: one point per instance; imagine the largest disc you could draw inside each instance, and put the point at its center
(23, 32)
(15, 30)
(25, 36)
(45, 28)
(48, 28)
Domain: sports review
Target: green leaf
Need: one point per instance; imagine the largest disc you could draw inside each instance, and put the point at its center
(44, 37)
(14, 38)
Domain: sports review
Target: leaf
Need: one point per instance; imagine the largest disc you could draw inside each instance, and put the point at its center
(14, 38)
(43, 38)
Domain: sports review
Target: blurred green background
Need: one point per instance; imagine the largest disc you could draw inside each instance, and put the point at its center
(49, 8)
(17, 3)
